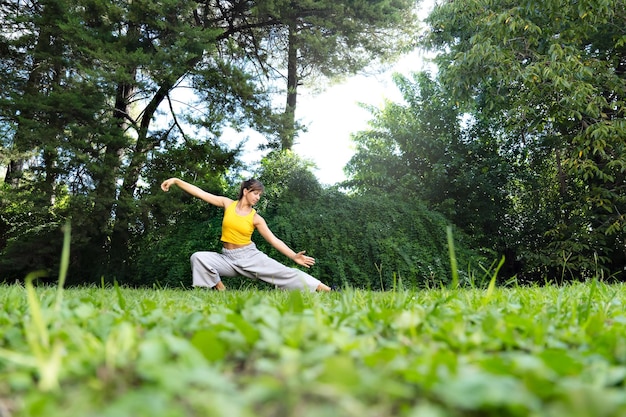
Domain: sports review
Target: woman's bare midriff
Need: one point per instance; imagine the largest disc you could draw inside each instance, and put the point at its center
(229, 245)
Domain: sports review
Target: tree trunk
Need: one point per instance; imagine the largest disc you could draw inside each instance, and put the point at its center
(289, 132)
(21, 141)
(14, 173)
(123, 210)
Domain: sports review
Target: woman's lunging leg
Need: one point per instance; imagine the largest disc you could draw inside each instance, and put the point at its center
(259, 265)
(208, 268)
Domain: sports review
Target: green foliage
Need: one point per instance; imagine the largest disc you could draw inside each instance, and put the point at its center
(548, 78)
(31, 234)
(163, 257)
(372, 240)
(287, 176)
(102, 351)
(424, 149)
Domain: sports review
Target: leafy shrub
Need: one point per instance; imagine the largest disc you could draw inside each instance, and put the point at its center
(368, 241)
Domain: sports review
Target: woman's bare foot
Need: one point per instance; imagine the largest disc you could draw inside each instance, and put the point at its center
(219, 286)
(323, 287)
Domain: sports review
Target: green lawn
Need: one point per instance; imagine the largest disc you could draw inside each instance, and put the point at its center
(541, 351)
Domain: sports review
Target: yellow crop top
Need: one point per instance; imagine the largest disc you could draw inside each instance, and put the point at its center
(237, 229)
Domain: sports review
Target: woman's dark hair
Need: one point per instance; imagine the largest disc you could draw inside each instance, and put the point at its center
(251, 185)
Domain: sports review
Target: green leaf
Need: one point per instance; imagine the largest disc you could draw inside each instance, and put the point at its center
(209, 344)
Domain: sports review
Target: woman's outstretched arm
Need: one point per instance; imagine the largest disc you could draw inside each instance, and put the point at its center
(216, 200)
(300, 258)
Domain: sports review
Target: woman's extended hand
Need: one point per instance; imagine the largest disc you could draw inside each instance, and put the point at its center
(165, 185)
(302, 259)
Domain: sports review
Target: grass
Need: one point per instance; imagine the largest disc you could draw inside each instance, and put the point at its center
(538, 351)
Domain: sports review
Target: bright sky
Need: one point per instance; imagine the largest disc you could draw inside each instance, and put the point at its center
(332, 116)
(335, 114)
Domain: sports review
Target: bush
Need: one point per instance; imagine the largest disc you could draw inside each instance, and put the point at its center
(368, 241)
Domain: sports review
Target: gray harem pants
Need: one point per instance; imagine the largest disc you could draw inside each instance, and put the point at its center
(207, 268)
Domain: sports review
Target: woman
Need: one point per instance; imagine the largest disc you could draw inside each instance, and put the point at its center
(239, 254)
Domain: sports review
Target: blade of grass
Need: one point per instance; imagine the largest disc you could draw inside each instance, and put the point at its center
(584, 316)
(492, 283)
(65, 261)
(120, 298)
(38, 338)
(453, 264)
(39, 326)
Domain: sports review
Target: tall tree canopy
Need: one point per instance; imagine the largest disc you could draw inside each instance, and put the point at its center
(549, 80)
(423, 150)
(330, 39)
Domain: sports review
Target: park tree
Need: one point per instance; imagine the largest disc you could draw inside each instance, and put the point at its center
(44, 106)
(89, 80)
(549, 80)
(422, 149)
(316, 39)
